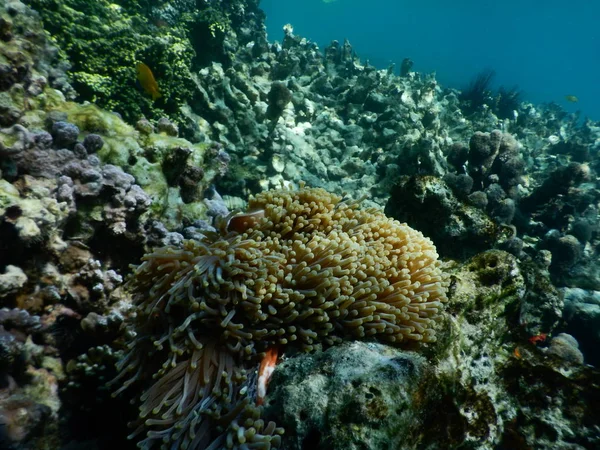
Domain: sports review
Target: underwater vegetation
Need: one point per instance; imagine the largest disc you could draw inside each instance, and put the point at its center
(506, 102)
(479, 92)
(104, 41)
(303, 269)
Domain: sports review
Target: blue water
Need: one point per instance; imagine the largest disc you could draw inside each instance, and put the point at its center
(548, 48)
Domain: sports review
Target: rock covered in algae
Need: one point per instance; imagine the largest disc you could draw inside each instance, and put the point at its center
(353, 396)
(301, 268)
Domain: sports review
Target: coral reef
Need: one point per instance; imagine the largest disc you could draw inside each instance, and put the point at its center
(166, 36)
(493, 384)
(504, 393)
(506, 190)
(566, 347)
(28, 61)
(372, 123)
(29, 402)
(414, 198)
(582, 314)
(106, 74)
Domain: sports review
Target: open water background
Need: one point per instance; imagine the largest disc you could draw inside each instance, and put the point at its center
(548, 48)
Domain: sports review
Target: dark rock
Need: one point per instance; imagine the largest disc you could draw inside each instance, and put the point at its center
(65, 134)
(93, 143)
(429, 205)
(582, 316)
(43, 140)
(80, 151)
(164, 125)
(278, 98)
(366, 387)
(54, 116)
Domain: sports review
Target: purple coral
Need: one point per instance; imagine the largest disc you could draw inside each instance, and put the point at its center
(65, 133)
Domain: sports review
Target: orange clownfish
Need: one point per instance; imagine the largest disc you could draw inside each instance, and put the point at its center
(241, 222)
(265, 371)
(146, 79)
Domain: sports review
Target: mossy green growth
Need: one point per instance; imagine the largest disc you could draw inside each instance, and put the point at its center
(9, 195)
(11, 105)
(104, 42)
(141, 155)
(92, 119)
(174, 211)
(13, 98)
(150, 172)
(495, 279)
(50, 99)
(120, 139)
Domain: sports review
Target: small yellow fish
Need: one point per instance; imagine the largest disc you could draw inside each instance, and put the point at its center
(146, 79)
(571, 98)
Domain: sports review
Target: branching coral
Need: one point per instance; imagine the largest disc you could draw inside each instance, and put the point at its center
(302, 268)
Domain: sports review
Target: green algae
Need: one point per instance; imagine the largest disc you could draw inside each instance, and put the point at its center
(141, 155)
(103, 42)
(9, 195)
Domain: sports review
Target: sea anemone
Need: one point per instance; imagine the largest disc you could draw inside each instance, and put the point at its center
(303, 268)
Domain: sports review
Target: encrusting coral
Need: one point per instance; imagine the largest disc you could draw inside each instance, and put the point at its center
(302, 268)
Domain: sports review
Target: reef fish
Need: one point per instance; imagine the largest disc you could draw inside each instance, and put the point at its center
(571, 98)
(146, 79)
(265, 371)
(241, 222)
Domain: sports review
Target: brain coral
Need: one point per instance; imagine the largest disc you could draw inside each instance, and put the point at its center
(302, 268)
